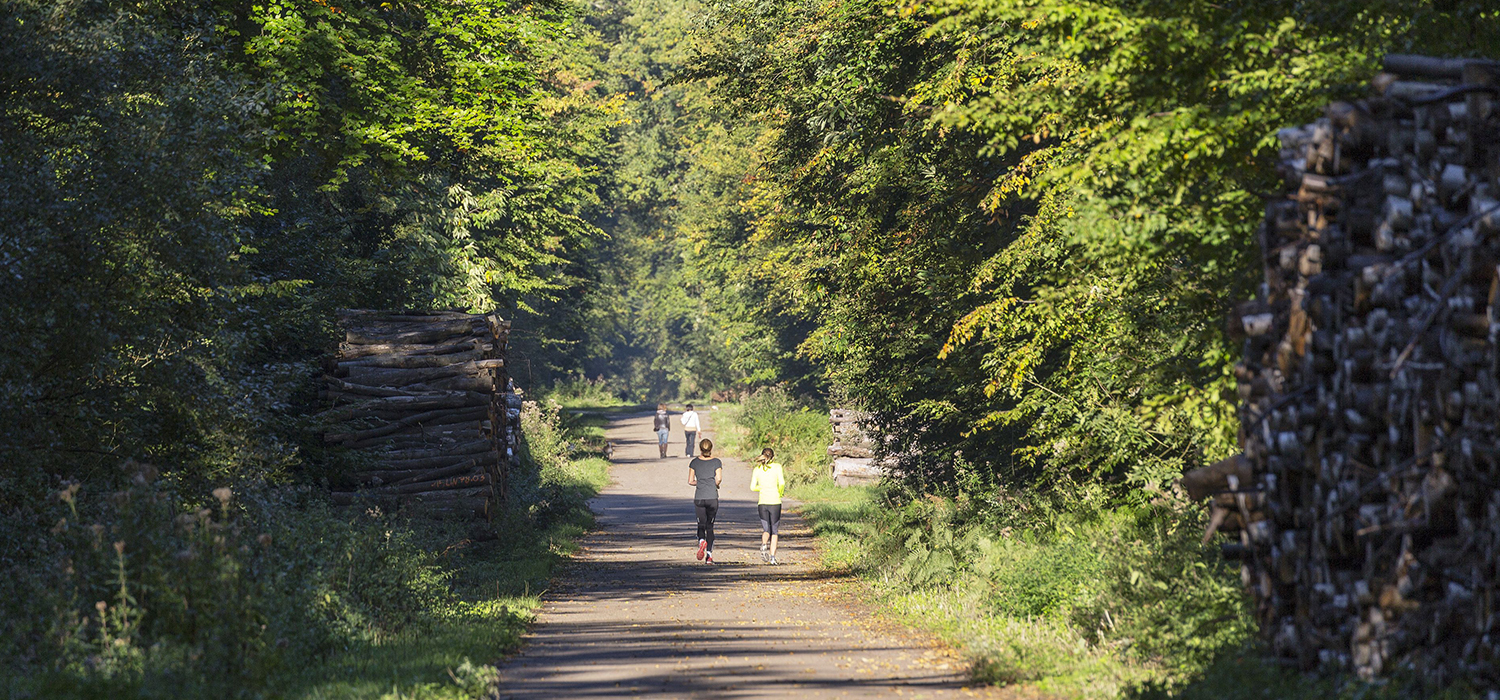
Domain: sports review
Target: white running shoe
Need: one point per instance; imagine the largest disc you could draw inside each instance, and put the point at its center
(773, 561)
(765, 554)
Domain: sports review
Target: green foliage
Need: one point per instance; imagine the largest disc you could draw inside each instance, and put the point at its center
(271, 591)
(190, 189)
(991, 208)
(578, 391)
(1089, 606)
(799, 433)
(145, 597)
(683, 306)
(560, 481)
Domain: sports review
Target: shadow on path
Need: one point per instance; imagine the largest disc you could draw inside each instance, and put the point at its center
(637, 615)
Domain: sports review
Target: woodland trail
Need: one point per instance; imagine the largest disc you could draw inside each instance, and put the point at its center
(638, 616)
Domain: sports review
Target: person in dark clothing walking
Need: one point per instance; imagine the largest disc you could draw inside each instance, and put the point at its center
(662, 425)
(706, 472)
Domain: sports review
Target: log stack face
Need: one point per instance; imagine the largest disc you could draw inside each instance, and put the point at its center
(853, 450)
(1367, 500)
(425, 396)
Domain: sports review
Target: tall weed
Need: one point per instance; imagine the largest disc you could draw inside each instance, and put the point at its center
(138, 595)
(559, 480)
(150, 589)
(799, 433)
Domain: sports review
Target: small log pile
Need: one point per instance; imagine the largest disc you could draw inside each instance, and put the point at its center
(853, 450)
(425, 396)
(1367, 499)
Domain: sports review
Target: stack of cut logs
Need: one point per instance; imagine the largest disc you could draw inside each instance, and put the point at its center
(1367, 499)
(424, 396)
(853, 451)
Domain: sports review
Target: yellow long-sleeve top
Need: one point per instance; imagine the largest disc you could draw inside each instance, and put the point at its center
(770, 482)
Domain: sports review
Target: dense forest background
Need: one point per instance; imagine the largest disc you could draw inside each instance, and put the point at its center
(1010, 229)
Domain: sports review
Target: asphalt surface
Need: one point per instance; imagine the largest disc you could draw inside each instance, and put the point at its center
(639, 616)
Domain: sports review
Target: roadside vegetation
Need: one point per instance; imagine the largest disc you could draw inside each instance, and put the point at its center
(771, 417)
(273, 593)
(190, 190)
(1106, 602)
(1008, 229)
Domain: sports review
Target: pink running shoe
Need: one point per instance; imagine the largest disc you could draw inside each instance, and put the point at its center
(708, 558)
(702, 548)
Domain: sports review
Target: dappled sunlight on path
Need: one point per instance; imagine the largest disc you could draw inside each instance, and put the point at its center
(637, 615)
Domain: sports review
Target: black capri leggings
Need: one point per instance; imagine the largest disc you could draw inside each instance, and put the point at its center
(770, 517)
(708, 509)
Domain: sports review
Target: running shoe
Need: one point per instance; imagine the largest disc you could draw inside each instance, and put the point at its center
(702, 547)
(765, 554)
(708, 558)
(773, 561)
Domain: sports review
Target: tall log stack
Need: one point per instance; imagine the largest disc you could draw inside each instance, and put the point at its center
(425, 396)
(1367, 499)
(853, 450)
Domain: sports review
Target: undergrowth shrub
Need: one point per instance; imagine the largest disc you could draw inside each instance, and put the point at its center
(576, 390)
(799, 433)
(1135, 583)
(555, 481)
(136, 592)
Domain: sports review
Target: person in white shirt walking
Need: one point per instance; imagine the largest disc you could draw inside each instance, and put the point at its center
(690, 426)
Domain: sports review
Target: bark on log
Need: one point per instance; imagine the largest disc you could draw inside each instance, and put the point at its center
(418, 390)
(388, 474)
(479, 507)
(429, 486)
(484, 449)
(849, 471)
(394, 426)
(841, 449)
(1204, 482)
(433, 438)
(401, 405)
(432, 334)
(411, 361)
(392, 477)
(1369, 529)
(360, 374)
(355, 352)
(355, 389)
(443, 495)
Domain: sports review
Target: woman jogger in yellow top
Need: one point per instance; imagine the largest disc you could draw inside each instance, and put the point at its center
(767, 478)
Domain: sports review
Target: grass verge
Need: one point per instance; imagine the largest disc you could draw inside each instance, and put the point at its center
(496, 590)
(1077, 612)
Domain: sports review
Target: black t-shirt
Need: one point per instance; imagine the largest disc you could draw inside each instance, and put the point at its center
(705, 469)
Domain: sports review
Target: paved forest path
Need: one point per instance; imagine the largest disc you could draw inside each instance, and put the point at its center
(638, 616)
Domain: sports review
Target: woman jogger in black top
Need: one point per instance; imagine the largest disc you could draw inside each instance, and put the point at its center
(706, 473)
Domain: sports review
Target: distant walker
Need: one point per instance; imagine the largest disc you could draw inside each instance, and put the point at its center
(662, 425)
(690, 426)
